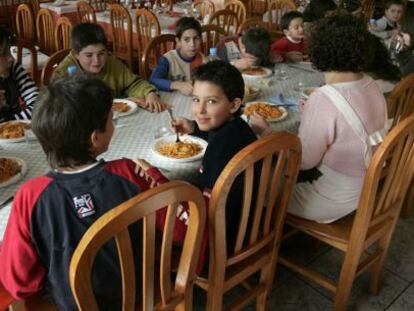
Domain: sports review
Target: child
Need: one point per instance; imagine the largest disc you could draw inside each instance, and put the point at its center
(174, 67)
(250, 49)
(51, 213)
(218, 90)
(90, 55)
(15, 84)
(388, 25)
(405, 58)
(292, 46)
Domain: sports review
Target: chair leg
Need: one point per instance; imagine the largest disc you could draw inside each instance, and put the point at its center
(409, 201)
(345, 281)
(215, 298)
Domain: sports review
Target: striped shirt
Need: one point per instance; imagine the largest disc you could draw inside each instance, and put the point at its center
(27, 92)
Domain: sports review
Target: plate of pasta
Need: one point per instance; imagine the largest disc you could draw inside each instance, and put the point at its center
(12, 169)
(256, 73)
(13, 131)
(269, 111)
(124, 107)
(190, 148)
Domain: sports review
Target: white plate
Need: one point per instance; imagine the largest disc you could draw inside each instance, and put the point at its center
(171, 138)
(283, 109)
(18, 176)
(132, 106)
(14, 140)
(265, 75)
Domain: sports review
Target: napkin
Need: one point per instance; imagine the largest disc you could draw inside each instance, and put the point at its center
(280, 100)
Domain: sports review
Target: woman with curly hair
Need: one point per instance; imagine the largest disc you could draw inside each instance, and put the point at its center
(340, 122)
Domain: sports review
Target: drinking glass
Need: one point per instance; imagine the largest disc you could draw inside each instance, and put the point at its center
(30, 137)
(281, 72)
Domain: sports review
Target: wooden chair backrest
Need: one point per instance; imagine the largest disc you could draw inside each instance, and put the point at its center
(51, 65)
(25, 25)
(211, 35)
(227, 20)
(63, 31)
(261, 222)
(114, 225)
(276, 9)
(86, 13)
(6, 13)
(98, 5)
(385, 184)
(368, 8)
(401, 100)
(251, 23)
(23, 44)
(121, 26)
(257, 8)
(237, 7)
(45, 28)
(157, 47)
(204, 7)
(148, 27)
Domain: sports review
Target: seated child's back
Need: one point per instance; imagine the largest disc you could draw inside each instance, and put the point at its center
(51, 213)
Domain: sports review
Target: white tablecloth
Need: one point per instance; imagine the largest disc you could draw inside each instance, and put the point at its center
(134, 136)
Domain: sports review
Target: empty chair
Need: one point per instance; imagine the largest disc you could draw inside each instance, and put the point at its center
(62, 33)
(275, 11)
(98, 5)
(211, 35)
(157, 47)
(237, 7)
(203, 8)
(25, 24)
(45, 28)
(121, 27)
(147, 27)
(365, 236)
(86, 13)
(114, 225)
(267, 189)
(227, 20)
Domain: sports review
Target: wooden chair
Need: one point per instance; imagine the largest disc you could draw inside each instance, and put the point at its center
(51, 65)
(203, 7)
(237, 7)
(63, 31)
(6, 13)
(400, 106)
(121, 27)
(86, 13)
(261, 222)
(23, 44)
(157, 47)
(385, 185)
(114, 225)
(211, 35)
(148, 27)
(256, 8)
(251, 23)
(276, 9)
(368, 8)
(25, 25)
(45, 27)
(227, 20)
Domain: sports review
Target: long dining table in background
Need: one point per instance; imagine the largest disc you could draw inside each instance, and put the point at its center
(134, 134)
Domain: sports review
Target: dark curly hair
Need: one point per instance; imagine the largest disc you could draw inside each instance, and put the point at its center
(339, 43)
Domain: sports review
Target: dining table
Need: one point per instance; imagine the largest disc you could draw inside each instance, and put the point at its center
(135, 134)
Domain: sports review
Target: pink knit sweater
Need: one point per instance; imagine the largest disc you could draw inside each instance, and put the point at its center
(326, 136)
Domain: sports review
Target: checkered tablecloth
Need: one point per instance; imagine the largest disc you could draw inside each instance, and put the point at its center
(134, 136)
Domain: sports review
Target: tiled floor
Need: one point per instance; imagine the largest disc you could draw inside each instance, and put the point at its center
(291, 292)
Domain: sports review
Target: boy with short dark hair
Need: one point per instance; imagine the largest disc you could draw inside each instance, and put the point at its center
(247, 50)
(388, 25)
(173, 71)
(292, 46)
(217, 99)
(51, 213)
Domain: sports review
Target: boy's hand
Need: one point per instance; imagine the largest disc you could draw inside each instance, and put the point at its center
(245, 62)
(143, 104)
(143, 164)
(294, 56)
(182, 125)
(275, 57)
(184, 87)
(259, 124)
(152, 101)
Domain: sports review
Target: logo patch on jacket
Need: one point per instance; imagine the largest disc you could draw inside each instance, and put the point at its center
(84, 205)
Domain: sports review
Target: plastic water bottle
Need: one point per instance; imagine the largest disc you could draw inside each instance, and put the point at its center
(72, 70)
(373, 23)
(213, 55)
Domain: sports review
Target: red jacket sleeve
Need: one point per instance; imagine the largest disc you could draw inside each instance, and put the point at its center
(21, 271)
(280, 46)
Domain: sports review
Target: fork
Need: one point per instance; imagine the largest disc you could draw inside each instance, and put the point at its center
(177, 140)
